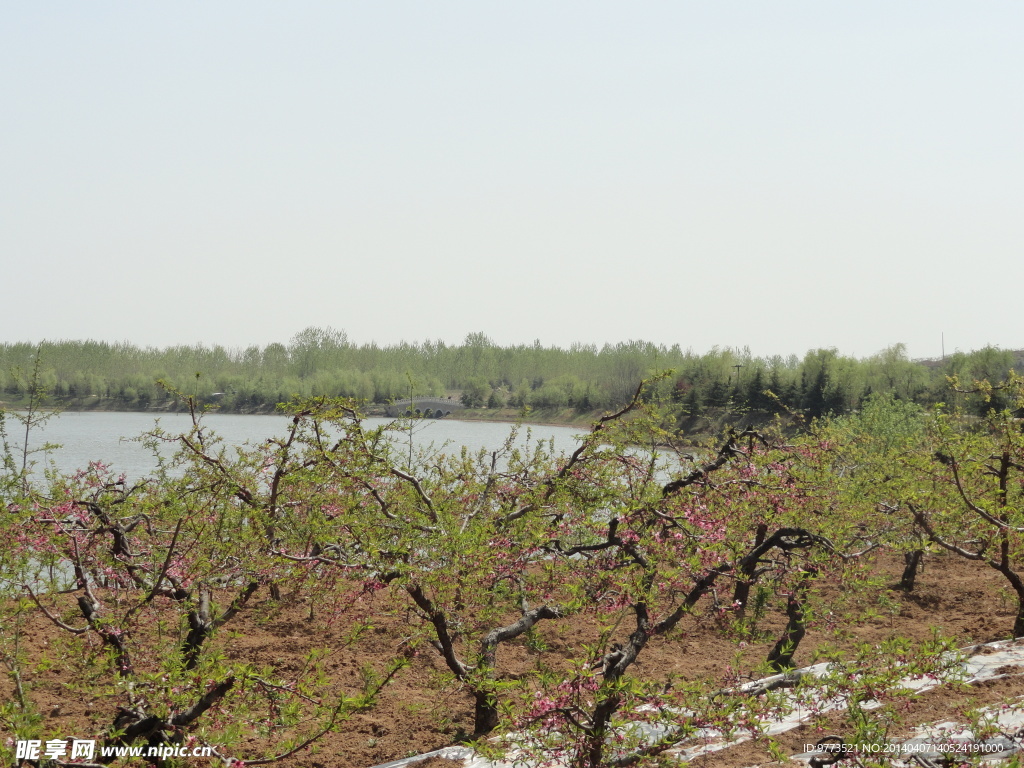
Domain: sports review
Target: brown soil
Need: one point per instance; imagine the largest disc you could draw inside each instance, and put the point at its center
(423, 709)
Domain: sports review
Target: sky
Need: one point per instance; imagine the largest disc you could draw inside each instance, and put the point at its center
(781, 176)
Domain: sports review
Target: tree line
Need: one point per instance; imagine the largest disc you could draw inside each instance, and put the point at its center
(587, 378)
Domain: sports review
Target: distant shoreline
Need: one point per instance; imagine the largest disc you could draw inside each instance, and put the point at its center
(558, 417)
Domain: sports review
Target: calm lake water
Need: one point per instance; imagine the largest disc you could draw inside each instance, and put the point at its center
(108, 436)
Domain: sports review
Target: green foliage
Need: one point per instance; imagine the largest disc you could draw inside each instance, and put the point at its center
(966, 494)
(324, 362)
(36, 385)
(476, 393)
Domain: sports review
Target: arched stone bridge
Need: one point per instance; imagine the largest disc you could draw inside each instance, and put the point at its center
(429, 407)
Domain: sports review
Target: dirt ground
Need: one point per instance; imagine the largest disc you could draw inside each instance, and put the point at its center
(423, 710)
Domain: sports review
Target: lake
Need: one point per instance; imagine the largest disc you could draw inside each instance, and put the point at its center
(107, 436)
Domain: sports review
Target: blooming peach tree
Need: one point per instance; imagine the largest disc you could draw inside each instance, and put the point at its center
(747, 514)
(145, 577)
(968, 494)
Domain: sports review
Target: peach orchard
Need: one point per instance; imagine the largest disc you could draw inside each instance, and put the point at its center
(631, 530)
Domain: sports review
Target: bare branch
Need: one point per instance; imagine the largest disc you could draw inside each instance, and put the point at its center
(206, 701)
(167, 561)
(51, 617)
(728, 450)
(922, 520)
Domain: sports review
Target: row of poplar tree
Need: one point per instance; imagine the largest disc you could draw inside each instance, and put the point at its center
(583, 377)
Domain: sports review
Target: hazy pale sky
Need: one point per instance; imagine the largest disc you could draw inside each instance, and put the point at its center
(784, 175)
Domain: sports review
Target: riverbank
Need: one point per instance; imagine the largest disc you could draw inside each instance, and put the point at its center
(558, 417)
(555, 417)
(714, 421)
